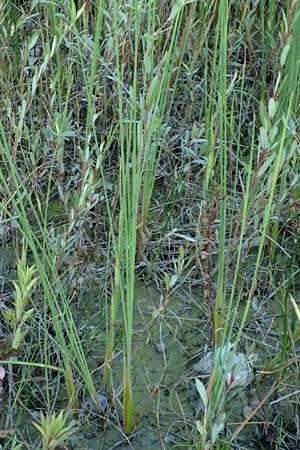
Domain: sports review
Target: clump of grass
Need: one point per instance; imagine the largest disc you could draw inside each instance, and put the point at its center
(55, 430)
(141, 126)
(272, 167)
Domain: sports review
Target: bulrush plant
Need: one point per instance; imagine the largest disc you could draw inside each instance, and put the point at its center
(271, 158)
(23, 211)
(143, 94)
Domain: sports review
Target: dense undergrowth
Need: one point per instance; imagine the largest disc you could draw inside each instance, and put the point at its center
(149, 142)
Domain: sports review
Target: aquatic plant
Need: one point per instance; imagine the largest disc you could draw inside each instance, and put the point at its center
(55, 429)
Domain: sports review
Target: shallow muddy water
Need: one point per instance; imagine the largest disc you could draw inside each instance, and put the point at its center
(164, 393)
(166, 346)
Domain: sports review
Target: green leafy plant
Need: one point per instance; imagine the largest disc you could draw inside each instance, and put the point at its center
(23, 289)
(55, 429)
(141, 126)
(275, 148)
(230, 371)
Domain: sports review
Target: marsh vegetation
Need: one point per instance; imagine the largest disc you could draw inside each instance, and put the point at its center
(149, 224)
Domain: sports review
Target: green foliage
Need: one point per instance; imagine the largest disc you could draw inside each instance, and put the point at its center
(165, 135)
(23, 288)
(55, 429)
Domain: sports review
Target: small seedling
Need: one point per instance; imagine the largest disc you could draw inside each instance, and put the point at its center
(55, 429)
(23, 289)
